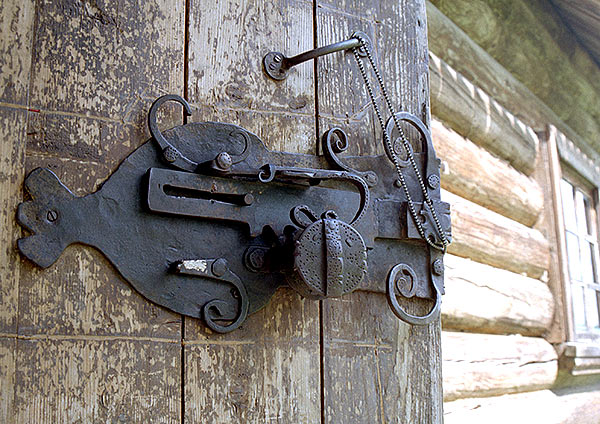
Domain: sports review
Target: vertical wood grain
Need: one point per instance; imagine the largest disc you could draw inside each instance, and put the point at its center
(88, 347)
(81, 380)
(16, 25)
(267, 371)
(376, 369)
(96, 68)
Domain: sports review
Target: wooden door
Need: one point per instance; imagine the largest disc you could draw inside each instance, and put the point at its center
(77, 343)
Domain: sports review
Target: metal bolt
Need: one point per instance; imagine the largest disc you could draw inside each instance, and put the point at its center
(224, 160)
(438, 267)
(170, 154)
(256, 258)
(248, 199)
(52, 215)
(219, 267)
(433, 181)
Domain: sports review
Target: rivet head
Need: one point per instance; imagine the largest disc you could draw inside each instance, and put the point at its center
(257, 258)
(170, 154)
(52, 215)
(438, 267)
(433, 181)
(224, 160)
(219, 267)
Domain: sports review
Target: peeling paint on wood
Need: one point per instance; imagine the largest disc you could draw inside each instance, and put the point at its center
(12, 154)
(97, 381)
(267, 371)
(376, 369)
(80, 76)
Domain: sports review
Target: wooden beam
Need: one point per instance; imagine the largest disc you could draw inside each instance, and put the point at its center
(478, 365)
(571, 100)
(490, 238)
(453, 46)
(268, 370)
(562, 283)
(472, 113)
(543, 406)
(89, 348)
(505, 302)
(473, 173)
(366, 349)
(546, 175)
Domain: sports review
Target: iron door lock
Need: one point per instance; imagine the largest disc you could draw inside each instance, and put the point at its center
(204, 220)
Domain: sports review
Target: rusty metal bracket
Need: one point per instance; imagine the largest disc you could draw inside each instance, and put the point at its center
(277, 65)
(226, 196)
(204, 220)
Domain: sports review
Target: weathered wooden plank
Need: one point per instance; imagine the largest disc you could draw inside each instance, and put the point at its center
(90, 348)
(95, 74)
(478, 365)
(8, 347)
(472, 173)
(543, 63)
(90, 93)
(97, 380)
(347, 108)
(226, 81)
(16, 33)
(471, 112)
(375, 368)
(490, 238)
(12, 154)
(265, 371)
(544, 406)
(483, 299)
(106, 59)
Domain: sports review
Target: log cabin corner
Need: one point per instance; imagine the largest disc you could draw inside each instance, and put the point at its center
(515, 100)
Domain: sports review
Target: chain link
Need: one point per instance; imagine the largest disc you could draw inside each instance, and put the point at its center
(393, 156)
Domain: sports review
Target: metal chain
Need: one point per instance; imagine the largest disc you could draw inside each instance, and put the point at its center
(393, 156)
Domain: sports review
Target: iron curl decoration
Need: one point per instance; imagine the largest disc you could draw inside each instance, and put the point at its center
(392, 286)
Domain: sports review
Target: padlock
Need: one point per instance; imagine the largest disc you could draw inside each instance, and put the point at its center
(330, 257)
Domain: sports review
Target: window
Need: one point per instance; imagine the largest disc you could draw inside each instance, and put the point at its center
(579, 215)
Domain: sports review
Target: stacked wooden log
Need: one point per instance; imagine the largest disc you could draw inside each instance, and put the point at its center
(501, 309)
(498, 304)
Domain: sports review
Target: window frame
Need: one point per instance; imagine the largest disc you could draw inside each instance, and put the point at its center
(587, 189)
(579, 355)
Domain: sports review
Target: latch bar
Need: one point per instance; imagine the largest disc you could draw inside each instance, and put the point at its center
(277, 65)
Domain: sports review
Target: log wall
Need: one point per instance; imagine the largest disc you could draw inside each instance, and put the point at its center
(498, 274)
(483, 299)
(481, 365)
(551, 63)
